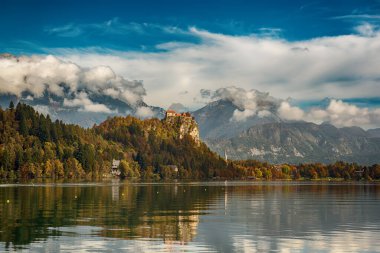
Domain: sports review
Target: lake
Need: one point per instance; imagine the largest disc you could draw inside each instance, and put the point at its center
(119, 216)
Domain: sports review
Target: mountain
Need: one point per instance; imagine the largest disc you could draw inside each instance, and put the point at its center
(216, 120)
(375, 133)
(269, 138)
(50, 104)
(300, 142)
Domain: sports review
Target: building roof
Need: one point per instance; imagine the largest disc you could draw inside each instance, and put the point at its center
(171, 111)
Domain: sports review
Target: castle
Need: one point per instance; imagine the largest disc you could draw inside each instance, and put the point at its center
(186, 123)
(172, 113)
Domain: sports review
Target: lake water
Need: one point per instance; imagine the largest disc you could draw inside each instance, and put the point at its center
(190, 217)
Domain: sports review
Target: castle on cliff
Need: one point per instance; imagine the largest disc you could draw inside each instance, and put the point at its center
(186, 123)
(172, 113)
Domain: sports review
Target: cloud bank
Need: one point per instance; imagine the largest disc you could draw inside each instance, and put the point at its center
(255, 103)
(33, 77)
(249, 102)
(337, 112)
(341, 66)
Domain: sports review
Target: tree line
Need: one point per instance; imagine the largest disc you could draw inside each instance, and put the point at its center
(34, 146)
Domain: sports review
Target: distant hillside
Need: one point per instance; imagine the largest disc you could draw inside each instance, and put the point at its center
(269, 138)
(215, 120)
(52, 105)
(301, 142)
(375, 133)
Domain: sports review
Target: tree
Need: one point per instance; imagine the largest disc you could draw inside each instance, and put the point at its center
(44, 129)
(23, 128)
(149, 172)
(58, 169)
(258, 173)
(73, 169)
(267, 173)
(11, 105)
(48, 169)
(126, 170)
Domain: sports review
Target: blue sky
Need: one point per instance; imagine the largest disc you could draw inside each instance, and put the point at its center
(165, 52)
(28, 26)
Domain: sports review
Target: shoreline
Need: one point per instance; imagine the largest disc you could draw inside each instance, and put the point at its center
(38, 182)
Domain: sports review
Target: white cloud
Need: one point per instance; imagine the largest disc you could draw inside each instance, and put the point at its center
(252, 102)
(338, 113)
(68, 30)
(340, 66)
(286, 111)
(248, 102)
(82, 101)
(264, 113)
(358, 16)
(45, 110)
(144, 112)
(341, 114)
(96, 108)
(366, 29)
(242, 115)
(113, 26)
(36, 75)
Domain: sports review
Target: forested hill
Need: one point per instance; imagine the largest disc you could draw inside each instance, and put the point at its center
(156, 145)
(31, 145)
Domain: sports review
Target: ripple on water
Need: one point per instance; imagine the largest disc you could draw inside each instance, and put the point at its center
(190, 217)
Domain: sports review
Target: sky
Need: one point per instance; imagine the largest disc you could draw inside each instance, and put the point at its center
(165, 52)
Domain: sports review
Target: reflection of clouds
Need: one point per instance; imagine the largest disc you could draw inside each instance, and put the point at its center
(348, 241)
(353, 241)
(243, 244)
(86, 243)
(300, 218)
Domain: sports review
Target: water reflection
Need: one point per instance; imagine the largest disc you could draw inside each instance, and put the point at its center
(242, 217)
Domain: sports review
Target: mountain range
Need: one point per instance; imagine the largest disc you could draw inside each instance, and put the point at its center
(265, 138)
(269, 138)
(53, 105)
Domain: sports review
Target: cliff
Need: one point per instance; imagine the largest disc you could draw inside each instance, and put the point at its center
(184, 123)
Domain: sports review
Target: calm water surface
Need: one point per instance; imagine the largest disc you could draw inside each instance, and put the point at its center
(190, 217)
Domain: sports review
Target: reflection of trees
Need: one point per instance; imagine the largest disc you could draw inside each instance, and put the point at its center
(171, 212)
(151, 211)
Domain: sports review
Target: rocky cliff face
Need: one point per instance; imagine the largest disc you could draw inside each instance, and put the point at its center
(186, 125)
